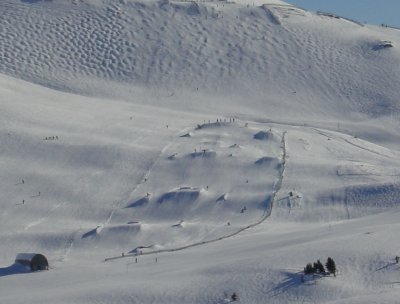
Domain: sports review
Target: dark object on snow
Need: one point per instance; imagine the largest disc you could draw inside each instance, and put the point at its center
(319, 267)
(35, 261)
(234, 297)
(309, 269)
(383, 45)
(386, 44)
(331, 266)
(262, 135)
(397, 258)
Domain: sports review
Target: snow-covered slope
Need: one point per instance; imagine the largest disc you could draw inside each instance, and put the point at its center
(273, 53)
(234, 141)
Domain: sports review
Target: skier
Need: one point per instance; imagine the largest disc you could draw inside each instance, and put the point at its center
(234, 297)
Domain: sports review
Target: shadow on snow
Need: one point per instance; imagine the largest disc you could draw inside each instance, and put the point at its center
(13, 269)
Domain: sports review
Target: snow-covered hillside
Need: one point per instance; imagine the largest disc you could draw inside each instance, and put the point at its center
(273, 53)
(177, 152)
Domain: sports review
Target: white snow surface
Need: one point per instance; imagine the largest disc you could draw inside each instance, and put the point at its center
(178, 152)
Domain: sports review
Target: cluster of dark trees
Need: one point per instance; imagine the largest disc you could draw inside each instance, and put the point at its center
(318, 267)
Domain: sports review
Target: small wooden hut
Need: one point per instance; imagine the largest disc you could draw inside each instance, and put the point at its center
(35, 261)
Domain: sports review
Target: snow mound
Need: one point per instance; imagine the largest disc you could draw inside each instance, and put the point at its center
(267, 161)
(204, 154)
(185, 196)
(382, 45)
(139, 203)
(187, 135)
(112, 235)
(263, 135)
(234, 146)
(222, 198)
(193, 9)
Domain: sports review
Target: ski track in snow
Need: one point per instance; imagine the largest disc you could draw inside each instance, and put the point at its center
(367, 149)
(69, 245)
(41, 220)
(321, 130)
(350, 142)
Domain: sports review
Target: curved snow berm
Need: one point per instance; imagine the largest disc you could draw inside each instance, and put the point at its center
(274, 53)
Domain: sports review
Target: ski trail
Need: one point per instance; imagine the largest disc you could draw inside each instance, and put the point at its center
(69, 245)
(266, 214)
(366, 149)
(346, 204)
(351, 143)
(41, 220)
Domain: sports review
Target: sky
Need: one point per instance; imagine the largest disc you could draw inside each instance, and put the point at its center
(369, 11)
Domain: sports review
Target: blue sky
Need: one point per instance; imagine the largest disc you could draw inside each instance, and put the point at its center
(370, 11)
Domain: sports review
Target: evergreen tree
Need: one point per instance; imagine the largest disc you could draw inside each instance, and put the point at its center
(331, 266)
(319, 267)
(309, 269)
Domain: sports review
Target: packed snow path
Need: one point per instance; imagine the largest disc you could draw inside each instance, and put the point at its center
(267, 213)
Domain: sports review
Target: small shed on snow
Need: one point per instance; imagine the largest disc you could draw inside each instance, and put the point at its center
(35, 261)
